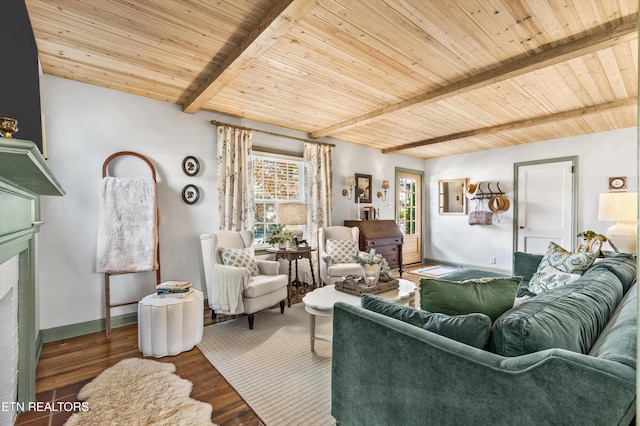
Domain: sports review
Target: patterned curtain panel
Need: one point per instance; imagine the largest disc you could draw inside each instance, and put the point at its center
(318, 168)
(235, 179)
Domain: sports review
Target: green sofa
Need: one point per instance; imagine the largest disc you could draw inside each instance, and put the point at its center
(389, 372)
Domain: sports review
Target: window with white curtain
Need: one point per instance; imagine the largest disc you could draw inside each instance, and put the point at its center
(277, 179)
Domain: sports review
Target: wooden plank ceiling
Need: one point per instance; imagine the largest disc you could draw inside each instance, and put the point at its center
(424, 78)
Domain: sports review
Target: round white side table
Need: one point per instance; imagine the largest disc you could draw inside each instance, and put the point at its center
(320, 303)
(168, 325)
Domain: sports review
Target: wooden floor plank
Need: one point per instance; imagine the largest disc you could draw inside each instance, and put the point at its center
(71, 362)
(78, 359)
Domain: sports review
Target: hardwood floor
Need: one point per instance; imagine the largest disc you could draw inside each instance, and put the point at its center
(67, 365)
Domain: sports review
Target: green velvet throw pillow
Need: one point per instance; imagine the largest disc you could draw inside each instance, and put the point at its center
(491, 296)
(472, 329)
(525, 265)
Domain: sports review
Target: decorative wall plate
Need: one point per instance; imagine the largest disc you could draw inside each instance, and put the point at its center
(618, 182)
(190, 194)
(190, 166)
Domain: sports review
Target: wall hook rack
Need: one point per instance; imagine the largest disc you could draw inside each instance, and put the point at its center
(487, 192)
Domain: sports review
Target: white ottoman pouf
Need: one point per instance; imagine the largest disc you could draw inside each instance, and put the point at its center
(169, 325)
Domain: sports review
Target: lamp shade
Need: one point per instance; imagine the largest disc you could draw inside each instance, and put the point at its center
(621, 207)
(292, 214)
(385, 184)
(351, 181)
(618, 206)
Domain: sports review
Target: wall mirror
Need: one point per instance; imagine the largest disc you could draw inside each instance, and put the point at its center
(452, 196)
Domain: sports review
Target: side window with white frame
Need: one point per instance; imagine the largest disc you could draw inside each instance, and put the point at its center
(277, 179)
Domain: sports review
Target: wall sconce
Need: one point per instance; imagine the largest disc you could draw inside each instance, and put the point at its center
(385, 187)
(351, 181)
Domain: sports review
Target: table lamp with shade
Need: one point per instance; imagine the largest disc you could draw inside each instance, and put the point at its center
(292, 215)
(621, 207)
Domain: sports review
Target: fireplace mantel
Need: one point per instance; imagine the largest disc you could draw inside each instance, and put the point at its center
(24, 177)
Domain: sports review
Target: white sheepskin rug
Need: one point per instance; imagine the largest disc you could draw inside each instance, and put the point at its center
(140, 392)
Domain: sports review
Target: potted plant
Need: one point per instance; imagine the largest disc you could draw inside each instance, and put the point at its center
(373, 266)
(280, 237)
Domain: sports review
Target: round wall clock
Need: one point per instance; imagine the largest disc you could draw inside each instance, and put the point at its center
(619, 182)
(190, 194)
(190, 166)
(596, 245)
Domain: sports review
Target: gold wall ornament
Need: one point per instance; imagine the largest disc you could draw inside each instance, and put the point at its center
(8, 126)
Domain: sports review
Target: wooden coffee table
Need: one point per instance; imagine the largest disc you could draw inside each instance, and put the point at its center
(319, 303)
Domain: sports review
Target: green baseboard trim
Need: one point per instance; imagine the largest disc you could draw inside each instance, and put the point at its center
(82, 328)
(466, 266)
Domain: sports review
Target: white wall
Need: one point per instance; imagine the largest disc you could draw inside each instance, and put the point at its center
(353, 159)
(452, 239)
(84, 125)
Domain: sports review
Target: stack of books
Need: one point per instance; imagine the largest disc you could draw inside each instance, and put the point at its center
(174, 288)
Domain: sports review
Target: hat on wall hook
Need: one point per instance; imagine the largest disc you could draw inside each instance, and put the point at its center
(499, 205)
(472, 188)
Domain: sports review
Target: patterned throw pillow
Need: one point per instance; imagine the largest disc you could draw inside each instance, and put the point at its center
(559, 267)
(342, 251)
(242, 258)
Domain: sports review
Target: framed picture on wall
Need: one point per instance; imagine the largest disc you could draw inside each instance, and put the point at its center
(363, 188)
(190, 194)
(190, 166)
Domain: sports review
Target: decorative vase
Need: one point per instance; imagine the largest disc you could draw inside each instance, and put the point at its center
(285, 245)
(371, 273)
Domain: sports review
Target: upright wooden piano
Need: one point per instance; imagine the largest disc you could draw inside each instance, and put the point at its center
(382, 235)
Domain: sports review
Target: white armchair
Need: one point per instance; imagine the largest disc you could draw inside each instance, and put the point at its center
(336, 247)
(239, 283)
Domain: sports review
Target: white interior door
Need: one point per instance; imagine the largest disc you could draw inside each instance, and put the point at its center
(545, 207)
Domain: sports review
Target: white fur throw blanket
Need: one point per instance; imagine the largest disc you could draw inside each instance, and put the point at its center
(128, 229)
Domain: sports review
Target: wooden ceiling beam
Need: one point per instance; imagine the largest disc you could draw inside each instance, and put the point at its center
(282, 16)
(519, 125)
(612, 36)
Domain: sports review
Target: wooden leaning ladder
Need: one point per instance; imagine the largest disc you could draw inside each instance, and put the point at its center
(107, 291)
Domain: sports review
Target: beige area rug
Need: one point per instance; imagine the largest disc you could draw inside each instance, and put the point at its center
(272, 366)
(140, 392)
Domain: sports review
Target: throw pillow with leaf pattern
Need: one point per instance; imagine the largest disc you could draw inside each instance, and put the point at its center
(241, 258)
(342, 251)
(559, 267)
